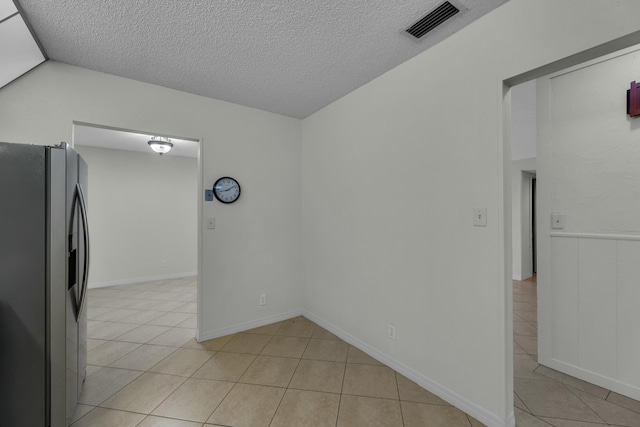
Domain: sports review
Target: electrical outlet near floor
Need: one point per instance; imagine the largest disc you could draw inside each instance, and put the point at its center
(165, 263)
(263, 299)
(392, 331)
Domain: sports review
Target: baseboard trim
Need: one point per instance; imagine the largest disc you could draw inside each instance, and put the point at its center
(140, 280)
(244, 326)
(592, 377)
(511, 419)
(460, 402)
(520, 278)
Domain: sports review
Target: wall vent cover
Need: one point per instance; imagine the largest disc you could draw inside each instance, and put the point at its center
(432, 19)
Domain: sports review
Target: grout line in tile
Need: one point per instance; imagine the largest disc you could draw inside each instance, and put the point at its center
(547, 422)
(604, 423)
(583, 402)
(395, 376)
(221, 400)
(314, 391)
(118, 390)
(344, 375)
(525, 405)
(280, 402)
(608, 401)
(469, 419)
(125, 410)
(171, 394)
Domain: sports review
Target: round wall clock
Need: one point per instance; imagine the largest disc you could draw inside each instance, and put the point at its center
(226, 189)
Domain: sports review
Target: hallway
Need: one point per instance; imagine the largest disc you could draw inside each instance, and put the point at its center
(546, 397)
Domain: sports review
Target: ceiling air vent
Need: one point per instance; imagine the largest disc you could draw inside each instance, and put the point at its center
(431, 20)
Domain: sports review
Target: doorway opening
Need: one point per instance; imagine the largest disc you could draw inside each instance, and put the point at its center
(528, 226)
(143, 281)
(560, 255)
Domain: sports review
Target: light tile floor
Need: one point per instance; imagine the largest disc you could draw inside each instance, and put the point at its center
(545, 397)
(146, 369)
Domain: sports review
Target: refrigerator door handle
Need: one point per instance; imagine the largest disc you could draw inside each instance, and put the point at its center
(85, 226)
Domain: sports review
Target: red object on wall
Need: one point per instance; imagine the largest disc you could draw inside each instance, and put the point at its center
(633, 100)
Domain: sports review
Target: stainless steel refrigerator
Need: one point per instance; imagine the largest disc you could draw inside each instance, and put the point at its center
(44, 266)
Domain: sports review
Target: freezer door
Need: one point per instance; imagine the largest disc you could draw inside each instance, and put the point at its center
(23, 376)
(77, 277)
(57, 276)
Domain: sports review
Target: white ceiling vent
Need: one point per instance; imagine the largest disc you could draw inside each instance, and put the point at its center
(432, 19)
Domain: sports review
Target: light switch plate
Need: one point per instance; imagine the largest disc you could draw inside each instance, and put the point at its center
(557, 221)
(480, 217)
(211, 223)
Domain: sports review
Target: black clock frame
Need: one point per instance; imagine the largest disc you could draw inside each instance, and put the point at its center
(215, 193)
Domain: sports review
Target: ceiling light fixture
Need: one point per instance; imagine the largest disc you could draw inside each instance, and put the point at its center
(160, 144)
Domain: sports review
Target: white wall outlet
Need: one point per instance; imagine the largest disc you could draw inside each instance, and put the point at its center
(263, 299)
(165, 263)
(211, 223)
(392, 331)
(480, 217)
(557, 221)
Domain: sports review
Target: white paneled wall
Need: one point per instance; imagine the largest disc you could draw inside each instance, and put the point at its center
(564, 272)
(596, 309)
(628, 300)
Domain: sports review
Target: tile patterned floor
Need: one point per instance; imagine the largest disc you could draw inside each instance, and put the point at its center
(146, 370)
(545, 397)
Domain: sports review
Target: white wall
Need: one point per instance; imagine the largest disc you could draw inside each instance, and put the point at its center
(523, 121)
(255, 246)
(142, 210)
(589, 157)
(391, 173)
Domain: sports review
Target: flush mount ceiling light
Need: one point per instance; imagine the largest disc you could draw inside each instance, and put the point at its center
(160, 144)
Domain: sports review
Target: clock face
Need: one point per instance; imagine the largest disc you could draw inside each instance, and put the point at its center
(226, 190)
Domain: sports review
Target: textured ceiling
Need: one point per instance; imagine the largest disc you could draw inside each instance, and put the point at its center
(287, 57)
